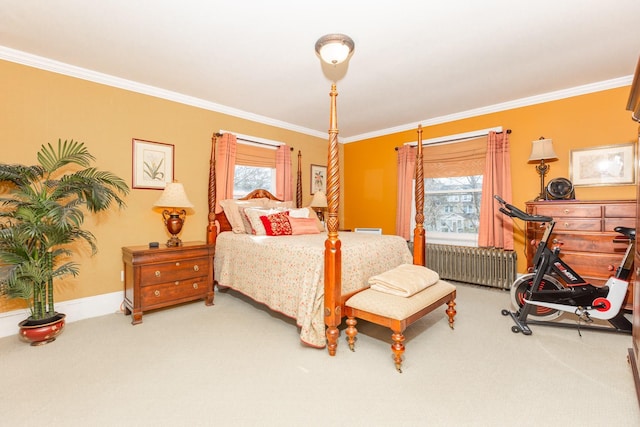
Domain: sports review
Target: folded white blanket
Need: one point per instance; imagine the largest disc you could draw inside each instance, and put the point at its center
(404, 280)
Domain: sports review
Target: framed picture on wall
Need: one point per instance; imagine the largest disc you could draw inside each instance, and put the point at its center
(152, 164)
(605, 165)
(318, 179)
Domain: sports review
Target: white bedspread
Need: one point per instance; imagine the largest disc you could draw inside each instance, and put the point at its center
(286, 273)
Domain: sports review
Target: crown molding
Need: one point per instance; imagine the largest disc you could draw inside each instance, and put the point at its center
(47, 64)
(510, 105)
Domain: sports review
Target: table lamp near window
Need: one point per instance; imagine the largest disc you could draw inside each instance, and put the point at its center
(319, 204)
(542, 150)
(175, 201)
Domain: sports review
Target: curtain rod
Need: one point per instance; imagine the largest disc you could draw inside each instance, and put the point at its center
(470, 135)
(254, 140)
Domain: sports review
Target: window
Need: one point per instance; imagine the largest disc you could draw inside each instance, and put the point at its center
(452, 209)
(248, 178)
(255, 166)
(453, 190)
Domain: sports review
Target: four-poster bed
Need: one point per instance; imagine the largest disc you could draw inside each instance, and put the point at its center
(300, 275)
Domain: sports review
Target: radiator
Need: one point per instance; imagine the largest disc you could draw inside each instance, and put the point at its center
(482, 266)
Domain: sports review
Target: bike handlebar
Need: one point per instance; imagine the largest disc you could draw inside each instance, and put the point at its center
(513, 211)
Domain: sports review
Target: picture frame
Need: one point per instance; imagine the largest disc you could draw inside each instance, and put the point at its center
(604, 165)
(153, 164)
(318, 179)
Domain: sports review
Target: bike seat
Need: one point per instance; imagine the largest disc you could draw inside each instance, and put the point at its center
(627, 231)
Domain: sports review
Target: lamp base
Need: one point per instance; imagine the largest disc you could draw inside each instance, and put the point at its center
(173, 242)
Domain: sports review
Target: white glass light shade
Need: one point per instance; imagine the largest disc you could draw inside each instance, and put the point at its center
(334, 48)
(173, 196)
(542, 149)
(319, 200)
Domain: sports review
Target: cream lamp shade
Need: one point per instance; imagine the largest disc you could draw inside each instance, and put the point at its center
(542, 149)
(334, 48)
(173, 196)
(319, 200)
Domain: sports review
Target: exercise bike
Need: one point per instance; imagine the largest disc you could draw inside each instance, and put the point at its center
(555, 288)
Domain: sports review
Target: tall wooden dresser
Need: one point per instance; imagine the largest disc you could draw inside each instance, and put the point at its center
(584, 232)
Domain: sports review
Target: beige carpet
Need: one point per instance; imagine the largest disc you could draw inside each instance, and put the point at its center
(236, 364)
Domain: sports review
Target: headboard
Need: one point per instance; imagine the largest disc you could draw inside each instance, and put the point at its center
(260, 193)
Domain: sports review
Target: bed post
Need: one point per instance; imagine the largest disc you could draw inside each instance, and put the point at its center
(212, 230)
(332, 253)
(418, 232)
(299, 182)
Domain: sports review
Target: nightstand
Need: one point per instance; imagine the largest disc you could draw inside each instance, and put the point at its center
(162, 277)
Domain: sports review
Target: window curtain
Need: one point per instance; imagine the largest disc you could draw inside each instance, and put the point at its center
(225, 165)
(406, 170)
(496, 229)
(284, 185)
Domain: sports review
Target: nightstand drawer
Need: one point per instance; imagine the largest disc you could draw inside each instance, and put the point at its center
(172, 271)
(170, 292)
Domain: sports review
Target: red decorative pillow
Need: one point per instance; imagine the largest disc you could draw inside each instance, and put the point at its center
(277, 224)
(304, 225)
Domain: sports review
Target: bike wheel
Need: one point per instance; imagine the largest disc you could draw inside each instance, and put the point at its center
(521, 287)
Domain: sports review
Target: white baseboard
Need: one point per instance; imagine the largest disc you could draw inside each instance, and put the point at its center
(77, 309)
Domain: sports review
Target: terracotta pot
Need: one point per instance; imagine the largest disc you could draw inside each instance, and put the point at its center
(39, 332)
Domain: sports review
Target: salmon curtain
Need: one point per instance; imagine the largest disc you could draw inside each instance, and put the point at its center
(284, 185)
(225, 165)
(406, 170)
(495, 229)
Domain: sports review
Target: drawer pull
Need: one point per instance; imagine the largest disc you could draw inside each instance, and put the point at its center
(156, 293)
(195, 286)
(566, 211)
(566, 224)
(177, 263)
(196, 268)
(157, 273)
(177, 282)
(610, 267)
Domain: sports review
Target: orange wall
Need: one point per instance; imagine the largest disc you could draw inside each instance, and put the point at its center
(582, 121)
(37, 107)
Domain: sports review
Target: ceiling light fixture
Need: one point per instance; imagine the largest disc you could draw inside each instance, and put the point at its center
(334, 48)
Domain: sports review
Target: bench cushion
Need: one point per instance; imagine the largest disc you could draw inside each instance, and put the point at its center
(397, 307)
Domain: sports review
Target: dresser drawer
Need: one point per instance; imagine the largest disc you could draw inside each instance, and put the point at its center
(592, 265)
(611, 223)
(164, 293)
(620, 210)
(585, 242)
(172, 271)
(569, 210)
(574, 224)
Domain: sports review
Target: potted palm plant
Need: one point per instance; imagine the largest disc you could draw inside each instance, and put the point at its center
(42, 211)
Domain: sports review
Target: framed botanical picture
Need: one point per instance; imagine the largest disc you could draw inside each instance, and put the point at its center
(152, 164)
(605, 165)
(318, 179)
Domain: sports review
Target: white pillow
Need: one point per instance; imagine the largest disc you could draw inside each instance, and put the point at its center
(254, 214)
(232, 207)
(299, 213)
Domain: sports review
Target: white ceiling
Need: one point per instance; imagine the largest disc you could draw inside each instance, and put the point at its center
(414, 61)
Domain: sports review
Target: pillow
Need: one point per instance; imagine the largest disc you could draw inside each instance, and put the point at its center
(231, 208)
(253, 216)
(276, 224)
(300, 213)
(313, 214)
(303, 225)
(277, 204)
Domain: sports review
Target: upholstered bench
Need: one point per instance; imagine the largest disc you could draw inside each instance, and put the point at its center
(397, 312)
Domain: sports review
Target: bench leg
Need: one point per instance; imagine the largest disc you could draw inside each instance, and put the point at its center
(351, 332)
(451, 311)
(398, 349)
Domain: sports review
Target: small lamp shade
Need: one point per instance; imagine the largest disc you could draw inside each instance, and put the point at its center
(542, 149)
(173, 196)
(319, 200)
(334, 48)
